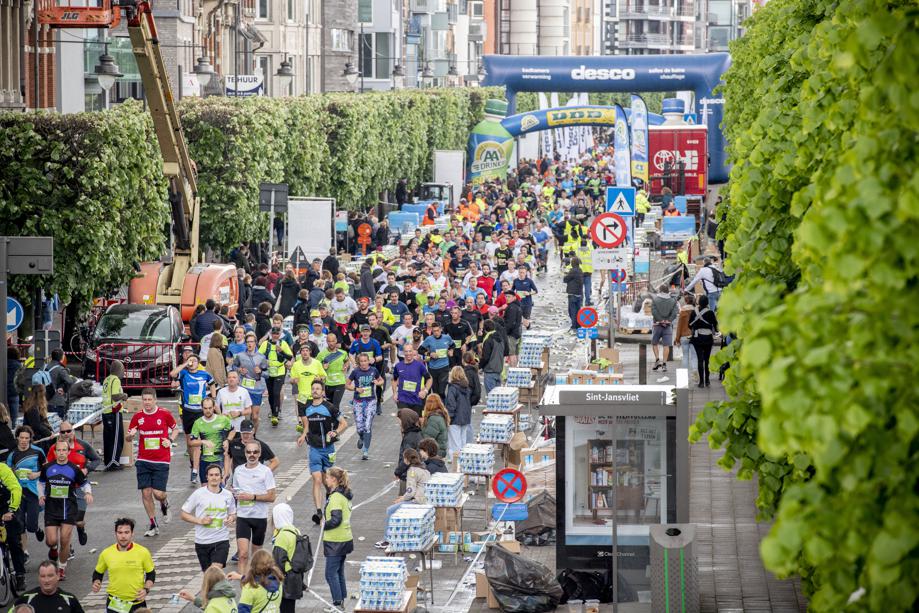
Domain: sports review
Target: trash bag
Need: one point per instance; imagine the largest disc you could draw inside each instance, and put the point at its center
(520, 585)
(539, 527)
(594, 585)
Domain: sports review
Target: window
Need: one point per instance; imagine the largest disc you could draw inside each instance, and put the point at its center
(264, 67)
(291, 10)
(261, 9)
(383, 55)
(476, 9)
(341, 40)
(366, 55)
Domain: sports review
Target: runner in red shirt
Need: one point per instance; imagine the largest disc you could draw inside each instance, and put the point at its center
(157, 429)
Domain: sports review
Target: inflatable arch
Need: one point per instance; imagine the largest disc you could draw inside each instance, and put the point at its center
(620, 73)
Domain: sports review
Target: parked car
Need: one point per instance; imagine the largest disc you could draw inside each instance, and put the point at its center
(145, 337)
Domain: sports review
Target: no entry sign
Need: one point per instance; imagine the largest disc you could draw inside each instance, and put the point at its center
(587, 317)
(608, 230)
(618, 276)
(509, 485)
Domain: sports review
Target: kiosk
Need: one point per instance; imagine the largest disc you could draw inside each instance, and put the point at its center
(622, 465)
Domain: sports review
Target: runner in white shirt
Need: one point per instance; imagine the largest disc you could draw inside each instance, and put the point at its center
(211, 508)
(342, 307)
(234, 401)
(403, 334)
(254, 488)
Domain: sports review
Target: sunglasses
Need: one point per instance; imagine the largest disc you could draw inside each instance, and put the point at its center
(254, 452)
(65, 431)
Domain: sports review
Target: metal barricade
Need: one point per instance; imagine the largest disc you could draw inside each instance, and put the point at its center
(145, 364)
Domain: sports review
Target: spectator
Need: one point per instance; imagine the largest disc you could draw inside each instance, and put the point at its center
(260, 292)
(704, 326)
(35, 413)
(12, 392)
(430, 454)
(435, 420)
(416, 476)
(411, 436)
(459, 409)
(470, 367)
(665, 311)
(684, 333)
(288, 290)
(492, 361)
(61, 380)
(574, 287)
(204, 323)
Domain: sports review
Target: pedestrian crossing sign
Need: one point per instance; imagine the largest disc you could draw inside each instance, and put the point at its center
(620, 200)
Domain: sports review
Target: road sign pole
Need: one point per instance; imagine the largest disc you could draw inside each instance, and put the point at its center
(613, 309)
(3, 293)
(271, 231)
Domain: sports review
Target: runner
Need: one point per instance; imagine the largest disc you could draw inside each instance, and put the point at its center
(410, 381)
(279, 354)
(86, 459)
(362, 381)
(234, 401)
(157, 433)
(252, 367)
(57, 485)
(195, 383)
(302, 374)
(209, 433)
(235, 453)
(254, 489)
(26, 461)
(335, 362)
(322, 426)
(130, 570)
(211, 509)
(48, 597)
(380, 334)
(439, 347)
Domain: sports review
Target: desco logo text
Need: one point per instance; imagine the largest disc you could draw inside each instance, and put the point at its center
(602, 74)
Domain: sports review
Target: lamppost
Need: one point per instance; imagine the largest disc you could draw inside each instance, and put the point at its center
(203, 71)
(285, 75)
(106, 72)
(427, 74)
(350, 73)
(398, 77)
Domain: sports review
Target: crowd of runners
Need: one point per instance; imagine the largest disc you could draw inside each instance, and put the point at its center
(435, 327)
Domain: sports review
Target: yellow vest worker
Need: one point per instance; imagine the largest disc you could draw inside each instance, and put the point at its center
(642, 205)
(583, 253)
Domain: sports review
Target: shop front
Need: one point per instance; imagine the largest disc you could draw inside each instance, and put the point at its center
(622, 466)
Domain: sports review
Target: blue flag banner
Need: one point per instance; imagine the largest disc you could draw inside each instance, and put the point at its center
(621, 153)
(639, 134)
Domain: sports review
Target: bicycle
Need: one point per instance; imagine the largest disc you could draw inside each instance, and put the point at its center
(83, 334)
(7, 575)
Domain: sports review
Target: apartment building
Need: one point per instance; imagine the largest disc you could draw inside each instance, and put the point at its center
(529, 27)
(444, 41)
(287, 58)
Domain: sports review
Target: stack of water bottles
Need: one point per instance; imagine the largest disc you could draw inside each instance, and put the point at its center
(411, 527)
(84, 408)
(444, 489)
(530, 354)
(382, 583)
(543, 337)
(502, 399)
(496, 429)
(519, 377)
(476, 459)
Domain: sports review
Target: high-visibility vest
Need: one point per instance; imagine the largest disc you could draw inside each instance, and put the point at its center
(583, 252)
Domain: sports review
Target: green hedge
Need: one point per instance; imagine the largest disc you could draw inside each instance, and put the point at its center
(822, 116)
(94, 182)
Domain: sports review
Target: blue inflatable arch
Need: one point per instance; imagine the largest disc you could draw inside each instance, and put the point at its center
(623, 73)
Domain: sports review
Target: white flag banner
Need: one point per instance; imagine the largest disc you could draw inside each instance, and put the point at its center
(545, 136)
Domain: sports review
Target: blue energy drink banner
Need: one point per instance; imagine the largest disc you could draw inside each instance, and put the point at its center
(622, 157)
(639, 134)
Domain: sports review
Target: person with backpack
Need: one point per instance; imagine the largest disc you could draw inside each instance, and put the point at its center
(58, 383)
(337, 540)
(704, 326)
(713, 280)
(292, 553)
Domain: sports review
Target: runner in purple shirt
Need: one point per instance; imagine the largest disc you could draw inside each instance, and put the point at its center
(410, 381)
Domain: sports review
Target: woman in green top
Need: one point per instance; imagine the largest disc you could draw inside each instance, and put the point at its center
(261, 591)
(435, 422)
(112, 422)
(216, 596)
(337, 541)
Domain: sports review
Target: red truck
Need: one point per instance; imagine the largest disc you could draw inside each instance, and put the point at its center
(672, 143)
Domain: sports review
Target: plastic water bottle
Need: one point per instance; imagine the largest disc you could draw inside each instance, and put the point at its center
(175, 599)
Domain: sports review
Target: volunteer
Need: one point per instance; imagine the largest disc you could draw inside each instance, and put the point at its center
(337, 541)
(112, 421)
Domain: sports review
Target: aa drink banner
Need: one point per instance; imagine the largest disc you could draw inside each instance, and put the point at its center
(639, 134)
(621, 154)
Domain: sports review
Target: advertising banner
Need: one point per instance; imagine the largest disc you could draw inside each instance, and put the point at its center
(621, 153)
(639, 134)
(677, 229)
(244, 85)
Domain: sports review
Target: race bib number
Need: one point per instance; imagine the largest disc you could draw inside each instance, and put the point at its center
(23, 473)
(246, 503)
(332, 457)
(458, 344)
(216, 523)
(440, 353)
(118, 605)
(409, 386)
(59, 491)
(248, 383)
(366, 392)
(194, 399)
(151, 443)
(370, 355)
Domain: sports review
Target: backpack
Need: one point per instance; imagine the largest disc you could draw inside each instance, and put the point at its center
(41, 377)
(718, 277)
(302, 559)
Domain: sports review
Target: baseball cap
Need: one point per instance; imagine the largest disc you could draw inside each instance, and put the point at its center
(315, 313)
(247, 426)
(364, 327)
(275, 330)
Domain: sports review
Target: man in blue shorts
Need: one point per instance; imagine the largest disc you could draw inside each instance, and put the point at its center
(322, 426)
(196, 383)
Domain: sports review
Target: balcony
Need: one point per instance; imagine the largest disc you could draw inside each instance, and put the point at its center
(657, 12)
(477, 31)
(657, 41)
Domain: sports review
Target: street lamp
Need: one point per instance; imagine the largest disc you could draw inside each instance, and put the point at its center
(452, 75)
(106, 70)
(285, 75)
(204, 71)
(427, 75)
(398, 77)
(481, 72)
(350, 73)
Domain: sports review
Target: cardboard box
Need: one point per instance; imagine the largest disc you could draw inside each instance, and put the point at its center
(537, 455)
(446, 519)
(133, 404)
(512, 546)
(481, 585)
(411, 585)
(610, 354)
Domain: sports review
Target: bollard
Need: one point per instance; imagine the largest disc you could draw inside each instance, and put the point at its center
(674, 569)
(642, 364)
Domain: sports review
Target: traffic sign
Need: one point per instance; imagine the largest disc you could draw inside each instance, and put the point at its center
(588, 333)
(587, 317)
(609, 259)
(618, 275)
(608, 230)
(509, 485)
(621, 200)
(14, 314)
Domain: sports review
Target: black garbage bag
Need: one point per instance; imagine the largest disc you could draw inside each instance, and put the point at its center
(594, 585)
(544, 537)
(540, 515)
(520, 585)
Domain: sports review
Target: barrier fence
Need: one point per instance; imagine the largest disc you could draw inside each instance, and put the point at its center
(145, 364)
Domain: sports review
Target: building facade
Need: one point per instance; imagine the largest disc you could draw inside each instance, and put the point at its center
(528, 27)
(292, 32)
(339, 43)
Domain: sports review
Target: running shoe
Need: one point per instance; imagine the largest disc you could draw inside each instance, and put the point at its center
(194, 477)
(658, 364)
(52, 554)
(62, 573)
(39, 535)
(274, 421)
(152, 531)
(366, 456)
(72, 555)
(164, 509)
(20, 583)
(381, 544)
(81, 536)
(360, 440)
(235, 558)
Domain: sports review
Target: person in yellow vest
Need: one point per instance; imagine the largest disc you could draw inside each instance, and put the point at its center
(583, 252)
(642, 206)
(573, 234)
(279, 354)
(337, 541)
(112, 422)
